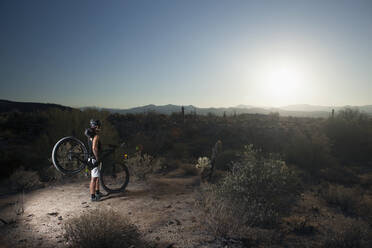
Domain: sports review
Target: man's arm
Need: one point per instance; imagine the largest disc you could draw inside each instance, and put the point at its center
(95, 146)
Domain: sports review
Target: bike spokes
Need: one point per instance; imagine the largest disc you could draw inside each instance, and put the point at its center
(69, 155)
(114, 177)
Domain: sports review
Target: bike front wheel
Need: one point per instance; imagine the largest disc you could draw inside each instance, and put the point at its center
(114, 177)
(69, 155)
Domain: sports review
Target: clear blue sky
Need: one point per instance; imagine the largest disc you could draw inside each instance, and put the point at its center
(207, 53)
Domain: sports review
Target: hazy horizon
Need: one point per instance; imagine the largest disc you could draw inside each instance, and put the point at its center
(194, 105)
(124, 54)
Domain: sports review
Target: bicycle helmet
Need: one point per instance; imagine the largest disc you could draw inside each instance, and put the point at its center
(95, 123)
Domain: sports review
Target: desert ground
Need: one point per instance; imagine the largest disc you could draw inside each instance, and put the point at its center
(162, 208)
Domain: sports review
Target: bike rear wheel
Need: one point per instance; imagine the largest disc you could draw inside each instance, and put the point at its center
(114, 177)
(69, 155)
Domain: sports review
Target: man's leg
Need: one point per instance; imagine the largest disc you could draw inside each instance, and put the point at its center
(98, 194)
(92, 187)
(97, 184)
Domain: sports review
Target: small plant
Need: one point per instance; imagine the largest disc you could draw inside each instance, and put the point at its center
(102, 228)
(203, 163)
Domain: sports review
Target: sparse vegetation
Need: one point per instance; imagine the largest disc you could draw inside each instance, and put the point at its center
(252, 191)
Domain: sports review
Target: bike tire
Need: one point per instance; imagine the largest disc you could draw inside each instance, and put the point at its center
(68, 155)
(114, 181)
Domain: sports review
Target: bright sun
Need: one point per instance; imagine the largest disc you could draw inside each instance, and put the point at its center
(281, 82)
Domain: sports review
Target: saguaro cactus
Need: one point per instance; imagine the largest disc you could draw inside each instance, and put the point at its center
(183, 113)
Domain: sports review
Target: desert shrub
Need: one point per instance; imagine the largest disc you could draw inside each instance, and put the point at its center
(347, 199)
(22, 179)
(102, 228)
(158, 164)
(141, 166)
(256, 193)
(349, 234)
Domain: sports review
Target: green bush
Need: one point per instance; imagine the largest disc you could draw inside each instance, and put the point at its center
(102, 228)
(256, 193)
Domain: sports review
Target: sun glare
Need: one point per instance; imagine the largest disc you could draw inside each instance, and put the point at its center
(281, 82)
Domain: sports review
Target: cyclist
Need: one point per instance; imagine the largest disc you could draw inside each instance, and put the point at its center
(94, 146)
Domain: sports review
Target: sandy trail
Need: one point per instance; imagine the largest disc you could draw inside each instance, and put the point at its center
(163, 209)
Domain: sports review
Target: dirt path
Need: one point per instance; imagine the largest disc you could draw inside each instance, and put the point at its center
(163, 210)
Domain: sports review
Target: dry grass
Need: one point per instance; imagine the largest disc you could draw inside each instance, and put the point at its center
(102, 228)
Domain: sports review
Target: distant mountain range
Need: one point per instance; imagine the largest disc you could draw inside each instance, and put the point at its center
(300, 110)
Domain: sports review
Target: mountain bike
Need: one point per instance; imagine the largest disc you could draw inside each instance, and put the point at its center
(70, 156)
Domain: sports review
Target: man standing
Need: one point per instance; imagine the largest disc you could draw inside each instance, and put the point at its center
(94, 145)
